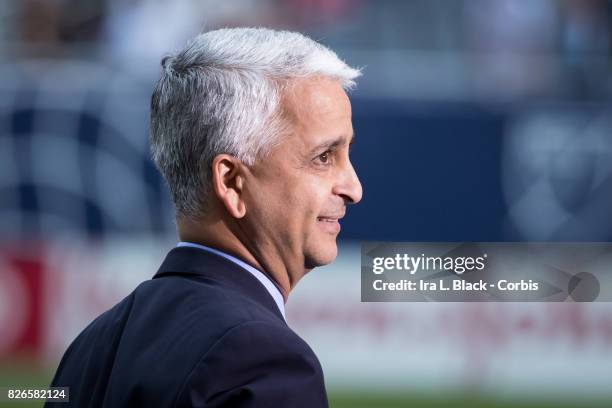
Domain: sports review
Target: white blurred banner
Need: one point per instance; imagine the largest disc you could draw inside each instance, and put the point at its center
(552, 349)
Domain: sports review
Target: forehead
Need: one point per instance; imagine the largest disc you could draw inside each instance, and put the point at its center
(317, 109)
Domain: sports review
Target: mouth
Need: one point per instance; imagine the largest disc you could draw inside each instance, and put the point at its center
(330, 224)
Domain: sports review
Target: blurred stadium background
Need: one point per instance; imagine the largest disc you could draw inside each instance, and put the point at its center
(476, 120)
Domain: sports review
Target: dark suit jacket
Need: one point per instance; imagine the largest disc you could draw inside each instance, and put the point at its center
(203, 332)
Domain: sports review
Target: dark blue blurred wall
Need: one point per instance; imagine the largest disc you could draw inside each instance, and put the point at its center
(430, 172)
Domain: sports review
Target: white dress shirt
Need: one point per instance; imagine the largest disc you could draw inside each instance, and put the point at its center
(265, 281)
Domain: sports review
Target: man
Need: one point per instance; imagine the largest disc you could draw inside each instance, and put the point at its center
(251, 128)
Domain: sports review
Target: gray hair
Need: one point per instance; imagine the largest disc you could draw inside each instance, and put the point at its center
(222, 94)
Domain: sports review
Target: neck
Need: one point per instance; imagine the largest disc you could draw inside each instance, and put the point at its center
(216, 233)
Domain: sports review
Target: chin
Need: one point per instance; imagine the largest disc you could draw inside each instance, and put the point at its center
(323, 254)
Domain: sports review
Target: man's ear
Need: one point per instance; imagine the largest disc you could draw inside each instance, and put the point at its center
(227, 182)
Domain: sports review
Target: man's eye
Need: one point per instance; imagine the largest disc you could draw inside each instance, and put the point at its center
(324, 157)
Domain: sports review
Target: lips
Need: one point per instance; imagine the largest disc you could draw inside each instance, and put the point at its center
(330, 223)
(330, 217)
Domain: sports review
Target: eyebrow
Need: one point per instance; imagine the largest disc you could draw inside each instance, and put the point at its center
(330, 144)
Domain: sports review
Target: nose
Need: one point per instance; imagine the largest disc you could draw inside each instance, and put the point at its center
(349, 187)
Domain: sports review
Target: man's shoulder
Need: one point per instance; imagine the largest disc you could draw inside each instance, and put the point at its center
(154, 337)
(190, 314)
(197, 298)
(168, 307)
(256, 363)
(201, 304)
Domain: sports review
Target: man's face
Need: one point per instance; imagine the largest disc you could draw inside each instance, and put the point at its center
(297, 195)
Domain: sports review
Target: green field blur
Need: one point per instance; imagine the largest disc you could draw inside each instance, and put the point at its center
(29, 375)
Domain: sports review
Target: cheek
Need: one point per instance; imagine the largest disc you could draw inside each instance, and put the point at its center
(301, 205)
(313, 206)
(290, 201)
(282, 204)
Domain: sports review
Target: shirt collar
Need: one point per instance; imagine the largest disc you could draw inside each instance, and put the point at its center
(261, 277)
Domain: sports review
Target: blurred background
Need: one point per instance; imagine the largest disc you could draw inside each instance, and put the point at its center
(476, 120)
